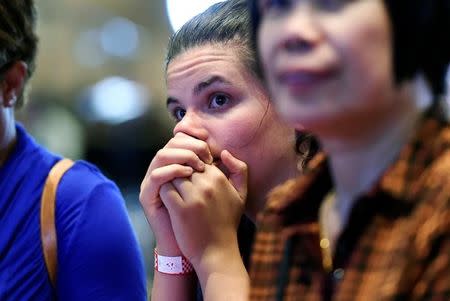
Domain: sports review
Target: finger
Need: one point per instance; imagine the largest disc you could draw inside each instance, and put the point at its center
(199, 147)
(184, 187)
(168, 156)
(171, 198)
(151, 184)
(238, 174)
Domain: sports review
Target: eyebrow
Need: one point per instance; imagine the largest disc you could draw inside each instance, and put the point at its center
(208, 82)
(201, 86)
(170, 100)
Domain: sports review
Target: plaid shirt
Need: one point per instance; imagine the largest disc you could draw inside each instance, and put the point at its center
(395, 246)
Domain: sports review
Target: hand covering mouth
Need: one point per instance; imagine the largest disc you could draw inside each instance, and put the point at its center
(218, 163)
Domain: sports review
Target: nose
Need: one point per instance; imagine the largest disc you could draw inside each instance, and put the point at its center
(193, 125)
(300, 32)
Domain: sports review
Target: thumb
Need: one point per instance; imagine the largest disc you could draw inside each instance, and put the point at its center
(238, 172)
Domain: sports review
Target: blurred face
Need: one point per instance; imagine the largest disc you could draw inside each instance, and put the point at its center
(11, 85)
(7, 125)
(3, 122)
(213, 98)
(327, 62)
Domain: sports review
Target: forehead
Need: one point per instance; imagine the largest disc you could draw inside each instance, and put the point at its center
(202, 61)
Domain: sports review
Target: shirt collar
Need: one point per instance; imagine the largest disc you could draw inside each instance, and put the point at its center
(398, 186)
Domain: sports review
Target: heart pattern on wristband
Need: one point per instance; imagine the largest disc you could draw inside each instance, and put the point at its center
(173, 265)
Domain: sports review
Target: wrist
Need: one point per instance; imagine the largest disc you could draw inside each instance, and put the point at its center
(224, 261)
(222, 276)
(168, 249)
(173, 265)
(167, 245)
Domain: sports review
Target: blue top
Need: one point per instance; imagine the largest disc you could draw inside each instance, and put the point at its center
(98, 255)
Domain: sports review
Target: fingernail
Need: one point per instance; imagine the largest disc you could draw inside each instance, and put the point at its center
(201, 165)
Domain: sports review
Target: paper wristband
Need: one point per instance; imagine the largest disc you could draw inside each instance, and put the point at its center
(177, 265)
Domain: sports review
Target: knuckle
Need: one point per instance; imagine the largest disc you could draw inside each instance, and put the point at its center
(197, 205)
(203, 146)
(218, 177)
(242, 167)
(143, 184)
(173, 139)
(208, 190)
(184, 213)
(192, 156)
(160, 154)
(154, 176)
(143, 196)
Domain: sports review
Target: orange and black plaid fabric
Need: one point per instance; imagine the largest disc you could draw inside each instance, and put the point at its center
(396, 245)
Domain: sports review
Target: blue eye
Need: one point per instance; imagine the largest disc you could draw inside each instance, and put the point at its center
(178, 113)
(218, 100)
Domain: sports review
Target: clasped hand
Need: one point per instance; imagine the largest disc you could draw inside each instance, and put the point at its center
(192, 207)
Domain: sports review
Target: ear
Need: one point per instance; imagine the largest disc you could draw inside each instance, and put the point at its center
(13, 82)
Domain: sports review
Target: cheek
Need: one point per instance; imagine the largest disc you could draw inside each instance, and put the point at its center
(264, 40)
(239, 136)
(367, 58)
(260, 135)
(242, 136)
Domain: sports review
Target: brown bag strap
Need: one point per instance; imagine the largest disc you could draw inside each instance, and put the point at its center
(48, 230)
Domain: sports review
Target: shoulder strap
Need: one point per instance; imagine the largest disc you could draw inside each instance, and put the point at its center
(48, 230)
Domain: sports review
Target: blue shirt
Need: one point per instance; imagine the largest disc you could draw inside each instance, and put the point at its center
(98, 254)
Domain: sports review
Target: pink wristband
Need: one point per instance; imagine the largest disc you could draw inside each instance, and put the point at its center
(176, 265)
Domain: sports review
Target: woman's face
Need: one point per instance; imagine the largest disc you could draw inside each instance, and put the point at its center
(327, 62)
(214, 98)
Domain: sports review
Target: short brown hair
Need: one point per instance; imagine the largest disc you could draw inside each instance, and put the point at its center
(18, 40)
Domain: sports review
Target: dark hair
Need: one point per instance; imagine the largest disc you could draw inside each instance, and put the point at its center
(421, 38)
(18, 40)
(228, 22)
(222, 23)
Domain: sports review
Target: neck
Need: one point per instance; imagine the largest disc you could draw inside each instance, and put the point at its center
(358, 161)
(7, 134)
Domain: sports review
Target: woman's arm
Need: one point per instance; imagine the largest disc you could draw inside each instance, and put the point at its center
(98, 254)
(181, 155)
(205, 211)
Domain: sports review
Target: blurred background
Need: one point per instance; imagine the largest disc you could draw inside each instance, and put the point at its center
(98, 93)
